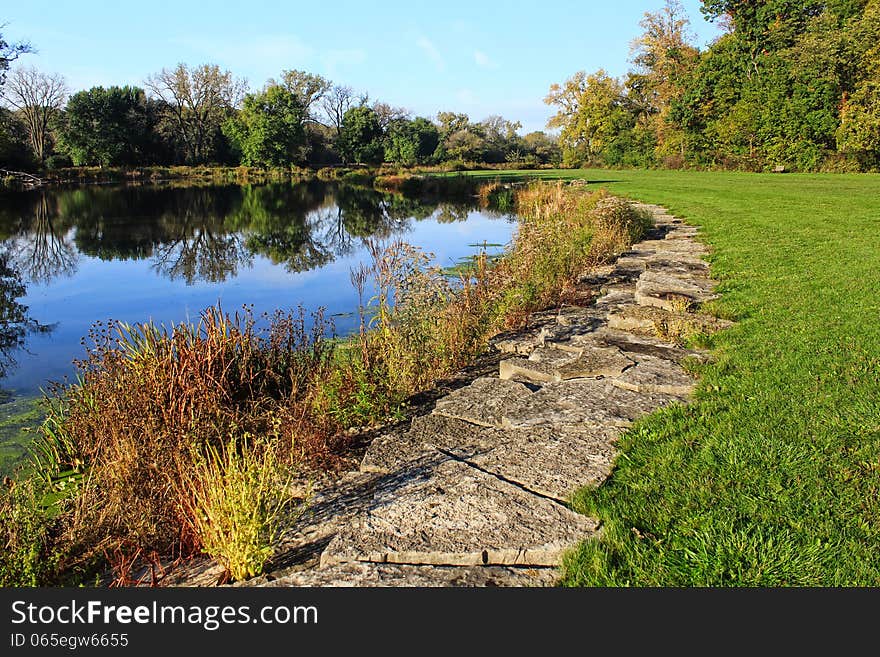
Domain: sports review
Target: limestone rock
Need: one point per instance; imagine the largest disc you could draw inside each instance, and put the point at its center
(364, 574)
(668, 292)
(483, 402)
(589, 402)
(656, 375)
(442, 511)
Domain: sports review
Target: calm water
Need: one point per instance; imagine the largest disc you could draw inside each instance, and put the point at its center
(70, 257)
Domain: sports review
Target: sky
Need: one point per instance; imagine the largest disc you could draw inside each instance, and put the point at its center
(478, 57)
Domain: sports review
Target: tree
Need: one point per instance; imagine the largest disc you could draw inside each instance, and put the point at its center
(197, 102)
(109, 126)
(592, 112)
(309, 88)
(269, 129)
(336, 102)
(859, 131)
(37, 98)
(664, 58)
(360, 136)
(9, 52)
(386, 114)
(411, 142)
(502, 140)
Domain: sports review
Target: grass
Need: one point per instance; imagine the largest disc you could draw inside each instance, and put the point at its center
(772, 476)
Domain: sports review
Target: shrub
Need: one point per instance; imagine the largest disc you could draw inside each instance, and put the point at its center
(26, 557)
(240, 491)
(149, 400)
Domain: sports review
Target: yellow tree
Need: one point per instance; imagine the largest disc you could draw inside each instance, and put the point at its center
(664, 57)
(592, 112)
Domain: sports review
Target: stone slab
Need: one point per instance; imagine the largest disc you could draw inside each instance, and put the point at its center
(669, 292)
(442, 511)
(483, 402)
(656, 375)
(634, 345)
(588, 402)
(522, 369)
(364, 574)
(389, 453)
(551, 461)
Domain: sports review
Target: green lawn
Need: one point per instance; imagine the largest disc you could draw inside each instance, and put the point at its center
(772, 476)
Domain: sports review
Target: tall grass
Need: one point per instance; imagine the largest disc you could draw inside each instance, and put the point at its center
(180, 437)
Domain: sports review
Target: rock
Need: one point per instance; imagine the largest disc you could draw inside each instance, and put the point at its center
(551, 355)
(587, 402)
(672, 326)
(632, 344)
(656, 375)
(364, 574)
(518, 369)
(690, 247)
(672, 293)
(550, 461)
(444, 512)
(427, 433)
(598, 361)
(483, 402)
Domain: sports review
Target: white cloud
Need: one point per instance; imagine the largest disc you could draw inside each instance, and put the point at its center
(483, 60)
(432, 53)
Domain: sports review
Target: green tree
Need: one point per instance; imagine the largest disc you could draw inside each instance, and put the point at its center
(269, 128)
(858, 134)
(360, 138)
(411, 142)
(108, 126)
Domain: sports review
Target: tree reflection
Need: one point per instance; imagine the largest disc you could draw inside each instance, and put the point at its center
(15, 323)
(41, 249)
(202, 234)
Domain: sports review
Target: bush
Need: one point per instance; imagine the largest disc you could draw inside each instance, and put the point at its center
(240, 491)
(26, 557)
(150, 402)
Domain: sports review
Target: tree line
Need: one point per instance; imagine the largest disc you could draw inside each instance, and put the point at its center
(789, 83)
(206, 115)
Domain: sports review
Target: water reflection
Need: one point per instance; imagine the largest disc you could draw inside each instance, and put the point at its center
(202, 233)
(78, 248)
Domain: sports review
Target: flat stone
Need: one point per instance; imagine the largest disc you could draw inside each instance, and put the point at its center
(546, 460)
(681, 266)
(682, 232)
(442, 511)
(656, 375)
(483, 402)
(633, 344)
(519, 343)
(364, 574)
(551, 461)
(594, 362)
(599, 361)
(389, 453)
(674, 326)
(614, 301)
(518, 369)
(587, 402)
(671, 246)
(671, 292)
(550, 355)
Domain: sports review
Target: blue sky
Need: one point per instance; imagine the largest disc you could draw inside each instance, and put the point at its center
(475, 56)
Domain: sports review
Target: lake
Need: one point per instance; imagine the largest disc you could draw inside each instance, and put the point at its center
(72, 256)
